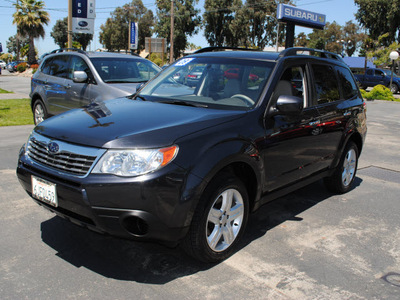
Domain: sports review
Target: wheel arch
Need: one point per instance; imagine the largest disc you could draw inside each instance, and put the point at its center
(238, 158)
(34, 98)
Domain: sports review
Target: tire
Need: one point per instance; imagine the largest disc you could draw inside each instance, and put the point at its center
(394, 88)
(39, 112)
(342, 179)
(219, 221)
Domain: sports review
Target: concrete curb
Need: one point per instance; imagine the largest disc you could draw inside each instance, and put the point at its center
(13, 96)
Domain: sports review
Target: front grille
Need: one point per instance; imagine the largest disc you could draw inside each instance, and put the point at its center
(65, 160)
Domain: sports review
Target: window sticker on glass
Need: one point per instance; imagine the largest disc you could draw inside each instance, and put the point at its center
(183, 62)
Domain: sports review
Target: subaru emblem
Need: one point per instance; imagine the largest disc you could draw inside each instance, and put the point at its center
(83, 23)
(53, 148)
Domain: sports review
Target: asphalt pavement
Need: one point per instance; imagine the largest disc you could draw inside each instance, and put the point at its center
(310, 244)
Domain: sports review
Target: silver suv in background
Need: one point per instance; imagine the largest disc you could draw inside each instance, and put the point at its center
(67, 80)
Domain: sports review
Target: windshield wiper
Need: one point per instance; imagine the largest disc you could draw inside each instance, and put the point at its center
(184, 103)
(135, 96)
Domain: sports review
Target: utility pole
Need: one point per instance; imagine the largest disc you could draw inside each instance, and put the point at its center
(171, 50)
(17, 36)
(69, 24)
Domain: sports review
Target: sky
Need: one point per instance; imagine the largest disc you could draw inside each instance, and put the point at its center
(340, 11)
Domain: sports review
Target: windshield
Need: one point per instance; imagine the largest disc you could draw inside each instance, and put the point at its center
(124, 70)
(210, 82)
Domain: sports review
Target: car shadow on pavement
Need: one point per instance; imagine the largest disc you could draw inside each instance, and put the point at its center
(147, 262)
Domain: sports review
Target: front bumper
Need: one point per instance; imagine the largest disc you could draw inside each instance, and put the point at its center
(147, 207)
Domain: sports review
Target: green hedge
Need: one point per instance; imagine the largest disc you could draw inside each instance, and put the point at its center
(379, 92)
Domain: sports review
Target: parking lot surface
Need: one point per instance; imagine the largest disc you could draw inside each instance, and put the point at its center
(310, 244)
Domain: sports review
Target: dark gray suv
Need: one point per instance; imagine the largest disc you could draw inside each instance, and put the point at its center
(183, 164)
(74, 79)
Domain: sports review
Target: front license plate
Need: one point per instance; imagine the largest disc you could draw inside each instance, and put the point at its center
(44, 191)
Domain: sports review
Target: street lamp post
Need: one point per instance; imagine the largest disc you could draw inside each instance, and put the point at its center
(393, 56)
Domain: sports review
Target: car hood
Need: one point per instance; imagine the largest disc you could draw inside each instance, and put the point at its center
(126, 123)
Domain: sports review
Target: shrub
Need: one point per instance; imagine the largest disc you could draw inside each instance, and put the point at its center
(34, 66)
(155, 58)
(22, 67)
(379, 92)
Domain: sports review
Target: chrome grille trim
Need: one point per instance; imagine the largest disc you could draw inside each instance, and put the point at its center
(71, 159)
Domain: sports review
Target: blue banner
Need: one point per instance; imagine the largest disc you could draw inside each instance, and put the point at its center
(133, 35)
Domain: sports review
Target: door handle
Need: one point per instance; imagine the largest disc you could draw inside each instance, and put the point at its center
(68, 86)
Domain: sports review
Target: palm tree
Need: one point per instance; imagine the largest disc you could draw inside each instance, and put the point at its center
(30, 19)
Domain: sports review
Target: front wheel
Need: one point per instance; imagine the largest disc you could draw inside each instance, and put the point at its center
(342, 179)
(219, 221)
(39, 112)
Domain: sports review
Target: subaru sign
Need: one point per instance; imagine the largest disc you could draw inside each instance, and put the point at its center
(83, 15)
(288, 13)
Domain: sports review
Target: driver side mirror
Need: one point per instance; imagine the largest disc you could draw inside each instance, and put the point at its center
(79, 76)
(287, 105)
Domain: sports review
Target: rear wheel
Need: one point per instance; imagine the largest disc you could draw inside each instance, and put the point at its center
(219, 221)
(342, 179)
(39, 112)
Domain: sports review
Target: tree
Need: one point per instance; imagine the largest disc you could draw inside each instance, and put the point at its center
(186, 22)
(261, 22)
(114, 33)
(30, 18)
(218, 22)
(353, 36)
(335, 38)
(301, 40)
(380, 17)
(60, 35)
(60, 32)
(12, 43)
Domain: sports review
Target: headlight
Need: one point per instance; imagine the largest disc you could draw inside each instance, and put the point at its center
(134, 162)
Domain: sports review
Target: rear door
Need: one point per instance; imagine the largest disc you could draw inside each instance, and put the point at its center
(332, 109)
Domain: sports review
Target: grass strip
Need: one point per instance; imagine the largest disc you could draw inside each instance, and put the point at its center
(15, 112)
(5, 92)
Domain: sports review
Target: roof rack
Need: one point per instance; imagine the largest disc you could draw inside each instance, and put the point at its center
(309, 51)
(215, 48)
(68, 49)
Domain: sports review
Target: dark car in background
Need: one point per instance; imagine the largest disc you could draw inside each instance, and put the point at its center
(67, 80)
(373, 77)
(193, 77)
(187, 165)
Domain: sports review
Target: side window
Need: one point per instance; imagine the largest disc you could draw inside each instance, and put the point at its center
(325, 83)
(45, 68)
(379, 73)
(146, 71)
(370, 72)
(59, 66)
(349, 87)
(77, 64)
(292, 83)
